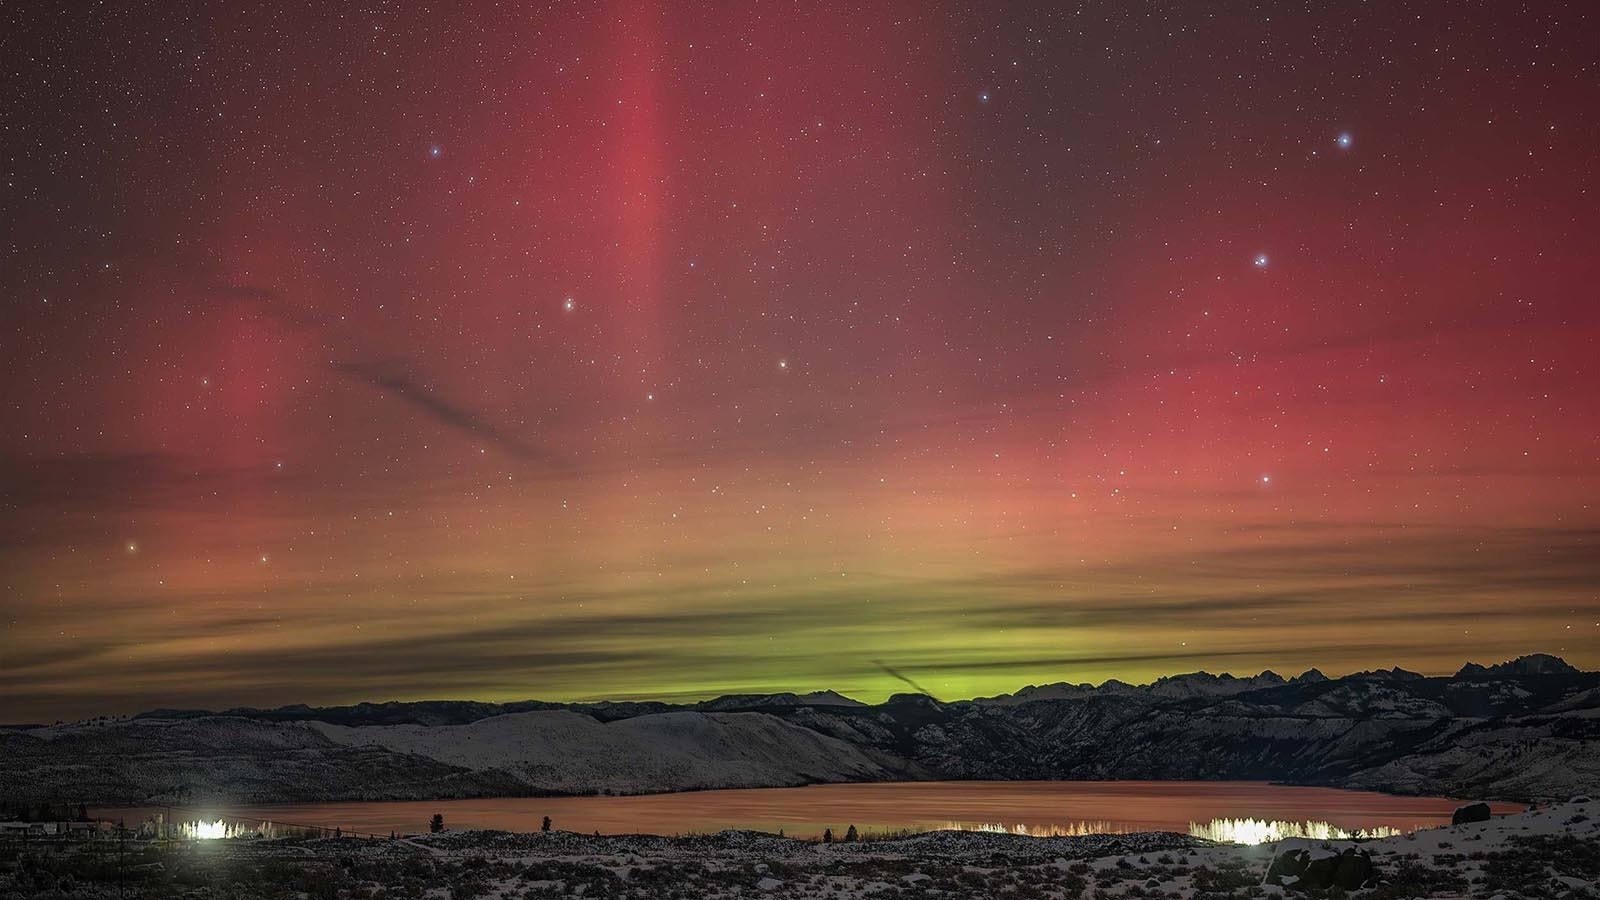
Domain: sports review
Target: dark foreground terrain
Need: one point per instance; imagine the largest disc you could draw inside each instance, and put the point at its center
(1547, 853)
(1528, 729)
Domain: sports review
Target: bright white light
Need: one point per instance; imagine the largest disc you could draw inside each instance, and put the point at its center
(569, 304)
(1259, 831)
(210, 831)
(1345, 140)
(1261, 260)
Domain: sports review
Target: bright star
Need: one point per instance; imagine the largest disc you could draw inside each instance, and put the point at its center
(983, 96)
(783, 364)
(435, 151)
(1344, 140)
(569, 304)
(1266, 479)
(1261, 260)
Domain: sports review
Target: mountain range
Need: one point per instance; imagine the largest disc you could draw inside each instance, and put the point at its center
(1527, 729)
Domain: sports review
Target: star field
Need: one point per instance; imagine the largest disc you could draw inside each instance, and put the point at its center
(365, 352)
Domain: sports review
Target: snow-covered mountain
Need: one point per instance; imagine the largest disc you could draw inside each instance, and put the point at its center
(569, 752)
(1525, 729)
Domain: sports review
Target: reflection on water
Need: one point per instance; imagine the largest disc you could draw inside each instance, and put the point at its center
(1230, 831)
(222, 828)
(1228, 810)
(1256, 831)
(1071, 829)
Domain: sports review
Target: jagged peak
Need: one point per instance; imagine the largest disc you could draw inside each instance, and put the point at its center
(828, 698)
(1394, 674)
(1528, 664)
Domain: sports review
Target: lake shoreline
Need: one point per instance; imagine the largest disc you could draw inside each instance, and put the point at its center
(1057, 807)
(1549, 849)
(537, 794)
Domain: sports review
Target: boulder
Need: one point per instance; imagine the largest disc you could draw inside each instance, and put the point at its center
(768, 884)
(1472, 812)
(1306, 867)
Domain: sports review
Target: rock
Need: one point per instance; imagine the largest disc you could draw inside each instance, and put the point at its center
(915, 878)
(762, 868)
(1472, 812)
(1319, 867)
(1581, 798)
(768, 884)
(1152, 882)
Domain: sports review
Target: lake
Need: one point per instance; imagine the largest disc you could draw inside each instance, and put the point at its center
(1034, 807)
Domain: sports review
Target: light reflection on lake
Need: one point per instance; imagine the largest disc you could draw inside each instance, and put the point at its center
(1034, 807)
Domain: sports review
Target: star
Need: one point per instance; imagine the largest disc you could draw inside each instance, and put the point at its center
(1266, 479)
(1344, 140)
(983, 96)
(783, 364)
(569, 304)
(435, 151)
(1261, 261)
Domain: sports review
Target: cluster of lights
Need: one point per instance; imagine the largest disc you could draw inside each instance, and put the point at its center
(1226, 831)
(207, 831)
(1261, 831)
(1070, 829)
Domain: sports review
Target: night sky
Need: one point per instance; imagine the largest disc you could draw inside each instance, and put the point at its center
(364, 352)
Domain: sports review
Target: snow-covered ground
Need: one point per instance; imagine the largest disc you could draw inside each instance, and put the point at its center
(1552, 852)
